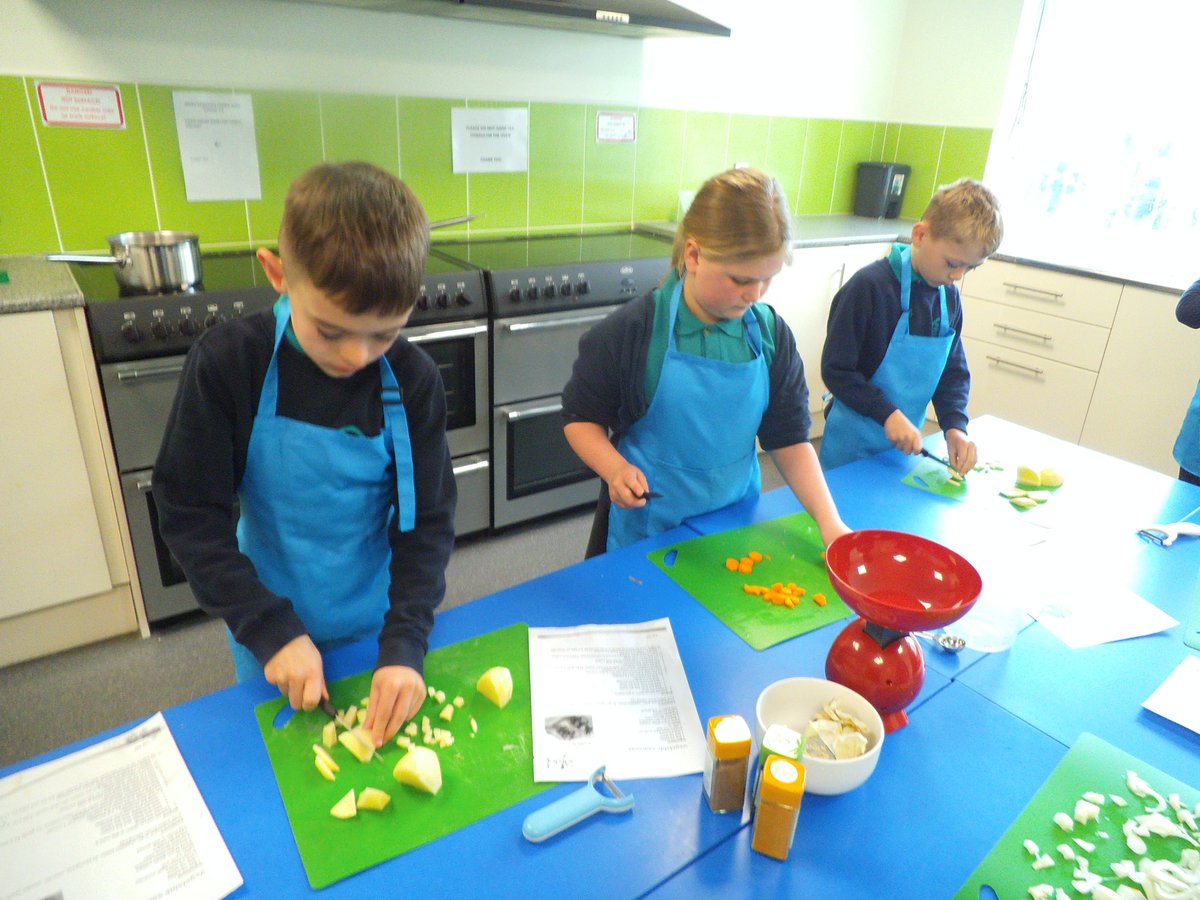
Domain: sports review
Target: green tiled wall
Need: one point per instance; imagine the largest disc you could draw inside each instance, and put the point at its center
(68, 188)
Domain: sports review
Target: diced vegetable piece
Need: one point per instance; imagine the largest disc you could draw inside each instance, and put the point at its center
(458, 702)
(731, 564)
(1050, 478)
(345, 808)
(1063, 821)
(496, 684)
(329, 734)
(420, 768)
(373, 798)
(447, 712)
(358, 743)
(325, 769)
(1028, 477)
(322, 753)
(411, 729)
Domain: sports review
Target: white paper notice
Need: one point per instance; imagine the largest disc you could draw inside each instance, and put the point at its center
(122, 818)
(1175, 698)
(489, 140)
(217, 146)
(613, 696)
(1083, 615)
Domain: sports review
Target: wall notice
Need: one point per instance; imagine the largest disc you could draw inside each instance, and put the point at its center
(616, 127)
(217, 146)
(489, 140)
(65, 105)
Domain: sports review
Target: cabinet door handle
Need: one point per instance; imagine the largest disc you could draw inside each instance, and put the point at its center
(1033, 334)
(1049, 295)
(470, 467)
(1004, 362)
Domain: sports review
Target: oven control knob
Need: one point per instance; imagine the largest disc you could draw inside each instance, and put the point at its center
(443, 299)
(532, 292)
(549, 291)
(131, 332)
(187, 326)
(514, 295)
(422, 301)
(565, 289)
(462, 298)
(211, 319)
(160, 329)
(583, 287)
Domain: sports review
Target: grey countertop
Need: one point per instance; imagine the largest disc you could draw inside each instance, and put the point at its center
(822, 231)
(30, 284)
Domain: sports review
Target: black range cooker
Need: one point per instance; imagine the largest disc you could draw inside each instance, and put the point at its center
(546, 291)
(140, 343)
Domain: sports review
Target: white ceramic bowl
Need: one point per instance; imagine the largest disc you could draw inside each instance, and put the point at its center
(793, 702)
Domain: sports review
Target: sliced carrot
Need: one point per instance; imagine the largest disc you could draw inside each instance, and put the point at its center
(731, 564)
(755, 556)
(819, 599)
(745, 567)
(800, 592)
(777, 586)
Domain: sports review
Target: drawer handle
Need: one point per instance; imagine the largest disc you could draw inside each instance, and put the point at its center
(170, 370)
(1033, 334)
(470, 467)
(1004, 362)
(1051, 295)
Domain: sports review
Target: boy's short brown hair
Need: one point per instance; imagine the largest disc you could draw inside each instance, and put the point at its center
(966, 211)
(359, 234)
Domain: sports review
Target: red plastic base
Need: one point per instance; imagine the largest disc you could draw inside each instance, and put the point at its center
(888, 677)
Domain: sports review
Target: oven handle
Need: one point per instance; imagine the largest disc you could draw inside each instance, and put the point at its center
(471, 467)
(144, 484)
(554, 323)
(447, 335)
(513, 415)
(171, 369)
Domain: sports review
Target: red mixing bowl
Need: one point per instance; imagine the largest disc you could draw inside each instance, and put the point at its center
(901, 581)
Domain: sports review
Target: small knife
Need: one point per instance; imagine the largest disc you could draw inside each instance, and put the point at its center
(928, 455)
(649, 495)
(327, 707)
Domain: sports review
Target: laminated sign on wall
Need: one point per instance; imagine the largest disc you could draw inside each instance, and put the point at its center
(489, 140)
(217, 146)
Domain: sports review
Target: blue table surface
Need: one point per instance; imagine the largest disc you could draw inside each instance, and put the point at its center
(984, 732)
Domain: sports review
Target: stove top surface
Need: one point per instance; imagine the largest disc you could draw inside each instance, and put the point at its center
(555, 251)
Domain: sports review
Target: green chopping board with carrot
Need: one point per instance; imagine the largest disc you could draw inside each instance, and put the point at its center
(790, 553)
(1094, 768)
(486, 769)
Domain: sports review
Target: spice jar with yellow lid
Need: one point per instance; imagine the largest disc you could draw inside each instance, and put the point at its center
(777, 806)
(726, 763)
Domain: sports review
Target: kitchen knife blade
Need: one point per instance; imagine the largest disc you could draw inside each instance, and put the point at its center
(328, 708)
(928, 455)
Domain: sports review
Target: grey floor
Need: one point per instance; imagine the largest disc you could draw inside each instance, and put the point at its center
(48, 702)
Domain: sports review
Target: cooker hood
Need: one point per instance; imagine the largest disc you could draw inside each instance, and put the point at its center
(627, 18)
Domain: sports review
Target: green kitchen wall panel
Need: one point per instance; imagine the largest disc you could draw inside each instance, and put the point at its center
(287, 128)
(705, 147)
(26, 217)
(99, 177)
(659, 165)
(821, 147)
(218, 223)
(785, 155)
(608, 177)
(858, 142)
(891, 138)
(361, 127)
(920, 146)
(748, 136)
(964, 154)
(426, 161)
(557, 135)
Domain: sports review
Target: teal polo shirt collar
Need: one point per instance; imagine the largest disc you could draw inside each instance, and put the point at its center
(687, 324)
(894, 262)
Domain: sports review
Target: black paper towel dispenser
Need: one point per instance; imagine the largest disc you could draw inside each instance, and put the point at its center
(880, 189)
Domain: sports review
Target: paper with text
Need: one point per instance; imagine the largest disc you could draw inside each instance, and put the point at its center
(613, 696)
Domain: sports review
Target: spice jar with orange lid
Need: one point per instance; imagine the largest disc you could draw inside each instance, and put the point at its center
(777, 806)
(726, 763)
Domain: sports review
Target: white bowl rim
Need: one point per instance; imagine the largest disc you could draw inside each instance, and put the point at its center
(875, 723)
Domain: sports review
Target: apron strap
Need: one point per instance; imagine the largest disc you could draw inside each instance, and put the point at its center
(943, 322)
(395, 425)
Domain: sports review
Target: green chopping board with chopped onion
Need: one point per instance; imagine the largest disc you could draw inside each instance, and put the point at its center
(792, 552)
(481, 774)
(1091, 765)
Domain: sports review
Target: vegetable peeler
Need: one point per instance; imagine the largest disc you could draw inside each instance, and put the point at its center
(575, 807)
(1165, 535)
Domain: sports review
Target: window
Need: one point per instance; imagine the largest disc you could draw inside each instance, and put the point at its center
(1097, 161)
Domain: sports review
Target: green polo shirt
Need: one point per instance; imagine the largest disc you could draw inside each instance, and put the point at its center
(724, 340)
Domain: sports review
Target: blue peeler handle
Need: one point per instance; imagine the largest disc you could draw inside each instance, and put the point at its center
(575, 807)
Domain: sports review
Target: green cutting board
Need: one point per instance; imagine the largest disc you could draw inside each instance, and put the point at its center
(480, 775)
(794, 546)
(1090, 765)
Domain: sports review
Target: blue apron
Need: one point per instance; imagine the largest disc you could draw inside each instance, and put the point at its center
(696, 442)
(315, 508)
(1187, 445)
(908, 376)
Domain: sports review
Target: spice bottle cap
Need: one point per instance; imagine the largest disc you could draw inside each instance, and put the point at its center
(728, 737)
(782, 780)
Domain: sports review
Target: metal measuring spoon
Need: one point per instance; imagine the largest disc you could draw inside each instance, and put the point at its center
(949, 643)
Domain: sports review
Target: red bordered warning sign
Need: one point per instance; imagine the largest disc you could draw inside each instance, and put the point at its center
(68, 105)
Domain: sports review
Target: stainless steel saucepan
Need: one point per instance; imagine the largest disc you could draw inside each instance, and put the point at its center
(148, 262)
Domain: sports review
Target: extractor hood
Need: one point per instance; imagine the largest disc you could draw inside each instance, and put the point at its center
(628, 18)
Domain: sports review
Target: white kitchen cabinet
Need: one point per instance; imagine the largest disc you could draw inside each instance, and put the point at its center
(1149, 374)
(66, 575)
(1035, 340)
(802, 293)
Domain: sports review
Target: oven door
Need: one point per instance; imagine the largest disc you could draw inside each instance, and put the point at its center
(534, 354)
(139, 396)
(461, 354)
(536, 470)
(164, 587)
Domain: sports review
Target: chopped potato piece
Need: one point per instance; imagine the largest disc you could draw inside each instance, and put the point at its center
(322, 753)
(420, 768)
(345, 808)
(496, 684)
(358, 743)
(373, 798)
(447, 712)
(458, 702)
(329, 734)
(325, 769)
